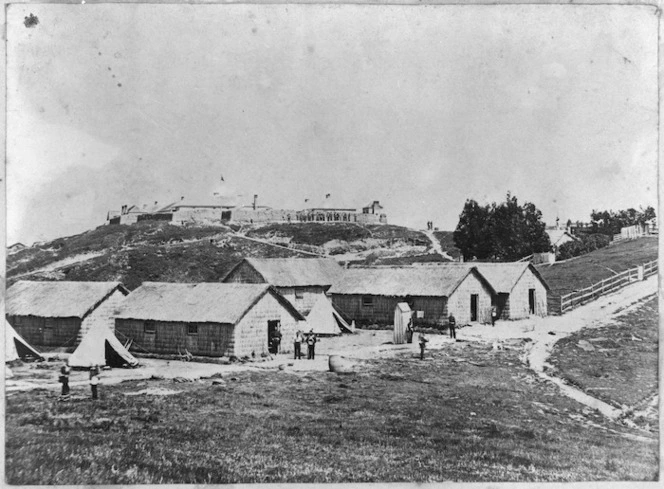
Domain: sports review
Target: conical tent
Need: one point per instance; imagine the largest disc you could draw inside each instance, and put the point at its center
(100, 347)
(322, 318)
(16, 347)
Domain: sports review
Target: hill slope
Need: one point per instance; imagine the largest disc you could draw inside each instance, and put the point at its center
(158, 251)
(577, 273)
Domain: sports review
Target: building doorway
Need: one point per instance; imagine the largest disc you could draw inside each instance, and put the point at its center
(272, 329)
(473, 307)
(531, 301)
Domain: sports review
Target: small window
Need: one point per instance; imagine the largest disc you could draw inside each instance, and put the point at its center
(149, 327)
(299, 294)
(367, 301)
(192, 329)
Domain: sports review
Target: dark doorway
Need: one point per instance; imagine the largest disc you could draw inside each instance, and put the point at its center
(473, 307)
(272, 328)
(531, 301)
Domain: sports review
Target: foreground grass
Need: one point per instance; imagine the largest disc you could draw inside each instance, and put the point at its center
(399, 420)
(621, 368)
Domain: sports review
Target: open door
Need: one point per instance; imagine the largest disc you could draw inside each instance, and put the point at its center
(473, 307)
(272, 327)
(531, 301)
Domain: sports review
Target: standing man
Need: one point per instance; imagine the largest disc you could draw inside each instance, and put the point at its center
(64, 379)
(298, 345)
(423, 343)
(494, 315)
(409, 330)
(452, 325)
(276, 340)
(311, 345)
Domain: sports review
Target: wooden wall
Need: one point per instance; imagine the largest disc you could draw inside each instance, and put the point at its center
(251, 331)
(459, 301)
(103, 314)
(60, 331)
(382, 311)
(518, 306)
(213, 339)
(245, 274)
(310, 296)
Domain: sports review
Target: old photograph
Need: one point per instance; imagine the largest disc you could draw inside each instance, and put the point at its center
(331, 243)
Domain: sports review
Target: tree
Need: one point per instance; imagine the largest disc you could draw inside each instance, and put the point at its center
(472, 235)
(503, 232)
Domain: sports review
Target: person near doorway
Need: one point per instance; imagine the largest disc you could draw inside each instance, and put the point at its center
(94, 382)
(64, 379)
(452, 325)
(276, 340)
(311, 345)
(299, 338)
(494, 315)
(409, 330)
(423, 344)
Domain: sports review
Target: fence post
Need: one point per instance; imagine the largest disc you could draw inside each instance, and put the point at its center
(640, 275)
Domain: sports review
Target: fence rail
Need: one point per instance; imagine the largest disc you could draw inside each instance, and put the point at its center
(618, 281)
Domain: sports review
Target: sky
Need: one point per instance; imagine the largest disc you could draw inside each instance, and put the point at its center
(419, 107)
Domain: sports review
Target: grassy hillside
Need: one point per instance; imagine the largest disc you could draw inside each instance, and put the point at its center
(577, 273)
(446, 240)
(317, 234)
(159, 251)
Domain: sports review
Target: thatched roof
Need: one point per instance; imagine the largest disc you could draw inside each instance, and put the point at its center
(404, 281)
(58, 299)
(295, 272)
(502, 276)
(201, 303)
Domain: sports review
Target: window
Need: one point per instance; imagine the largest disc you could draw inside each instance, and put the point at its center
(192, 329)
(48, 323)
(367, 301)
(149, 327)
(299, 294)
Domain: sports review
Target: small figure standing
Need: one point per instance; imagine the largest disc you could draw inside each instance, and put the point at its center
(276, 340)
(311, 345)
(94, 381)
(494, 315)
(64, 379)
(423, 343)
(409, 331)
(299, 338)
(452, 324)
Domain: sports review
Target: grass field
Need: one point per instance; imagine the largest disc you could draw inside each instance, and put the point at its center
(581, 272)
(622, 366)
(466, 413)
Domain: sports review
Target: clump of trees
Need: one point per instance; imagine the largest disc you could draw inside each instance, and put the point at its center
(610, 222)
(585, 244)
(505, 231)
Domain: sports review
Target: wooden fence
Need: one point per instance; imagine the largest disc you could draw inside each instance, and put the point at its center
(618, 281)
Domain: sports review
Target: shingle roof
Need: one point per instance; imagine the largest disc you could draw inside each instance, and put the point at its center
(297, 272)
(202, 302)
(404, 281)
(57, 299)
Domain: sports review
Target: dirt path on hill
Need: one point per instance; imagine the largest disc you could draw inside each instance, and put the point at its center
(436, 245)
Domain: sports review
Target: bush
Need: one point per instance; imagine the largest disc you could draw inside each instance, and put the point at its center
(587, 243)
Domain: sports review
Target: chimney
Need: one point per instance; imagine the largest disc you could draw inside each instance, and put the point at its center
(182, 198)
(255, 201)
(327, 196)
(155, 202)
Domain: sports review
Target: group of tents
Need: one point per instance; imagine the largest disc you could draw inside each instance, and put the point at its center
(98, 347)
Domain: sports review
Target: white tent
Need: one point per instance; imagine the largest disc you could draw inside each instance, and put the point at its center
(100, 347)
(16, 347)
(324, 320)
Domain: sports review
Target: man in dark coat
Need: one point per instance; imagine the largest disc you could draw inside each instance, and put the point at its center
(311, 345)
(64, 379)
(452, 325)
